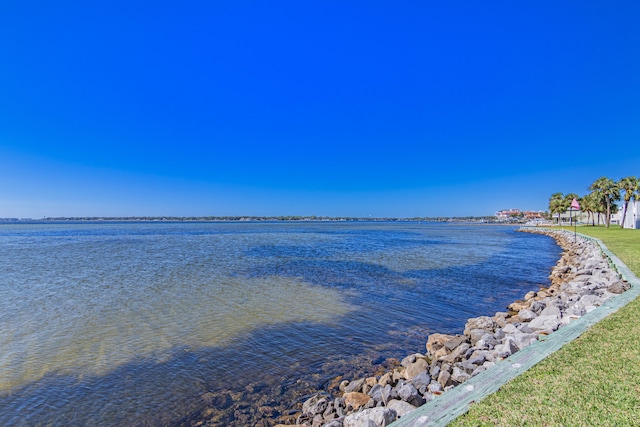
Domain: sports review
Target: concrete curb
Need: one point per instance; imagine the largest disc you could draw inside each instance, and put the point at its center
(444, 409)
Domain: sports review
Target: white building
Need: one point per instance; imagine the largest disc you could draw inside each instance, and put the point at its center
(632, 218)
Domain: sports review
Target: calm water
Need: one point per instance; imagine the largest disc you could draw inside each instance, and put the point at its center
(143, 323)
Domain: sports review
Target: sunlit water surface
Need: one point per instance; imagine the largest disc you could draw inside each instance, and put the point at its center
(132, 323)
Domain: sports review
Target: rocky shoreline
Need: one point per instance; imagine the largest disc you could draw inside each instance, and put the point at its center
(581, 281)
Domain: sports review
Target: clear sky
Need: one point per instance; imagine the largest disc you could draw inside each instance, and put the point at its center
(337, 108)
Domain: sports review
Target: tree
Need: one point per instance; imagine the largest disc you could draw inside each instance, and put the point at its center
(629, 185)
(591, 205)
(556, 205)
(608, 192)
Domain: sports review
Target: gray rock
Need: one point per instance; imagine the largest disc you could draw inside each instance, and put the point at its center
(458, 375)
(434, 370)
(523, 340)
(575, 312)
(455, 342)
(435, 387)
(456, 354)
(354, 386)
(409, 359)
(482, 322)
(401, 407)
(468, 367)
(476, 335)
(501, 319)
(488, 341)
(545, 323)
(550, 310)
(333, 423)
(506, 349)
(590, 300)
(479, 370)
(380, 393)
(444, 378)
(527, 315)
(537, 307)
(316, 404)
(525, 329)
(478, 357)
(421, 380)
(510, 329)
(374, 417)
(409, 393)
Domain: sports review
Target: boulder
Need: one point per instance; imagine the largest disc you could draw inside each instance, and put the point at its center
(408, 360)
(510, 329)
(468, 367)
(590, 300)
(444, 378)
(619, 287)
(316, 404)
(421, 380)
(436, 341)
(453, 343)
(374, 417)
(545, 324)
(506, 349)
(482, 322)
(551, 310)
(354, 386)
(500, 318)
(456, 354)
(478, 357)
(435, 387)
(401, 407)
(458, 375)
(523, 340)
(415, 368)
(488, 341)
(386, 379)
(380, 393)
(356, 399)
(409, 393)
(527, 315)
(537, 306)
(476, 335)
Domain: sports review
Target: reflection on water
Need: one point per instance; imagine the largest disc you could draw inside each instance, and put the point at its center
(132, 323)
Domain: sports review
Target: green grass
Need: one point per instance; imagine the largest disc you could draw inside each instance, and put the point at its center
(593, 381)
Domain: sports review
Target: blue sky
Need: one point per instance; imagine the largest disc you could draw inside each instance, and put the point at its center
(338, 108)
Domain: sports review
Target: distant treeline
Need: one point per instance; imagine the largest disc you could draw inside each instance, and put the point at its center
(258, 218)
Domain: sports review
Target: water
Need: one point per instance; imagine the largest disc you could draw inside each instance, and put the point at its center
(171, 323)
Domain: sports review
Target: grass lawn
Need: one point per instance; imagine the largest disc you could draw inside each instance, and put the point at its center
(593, 381)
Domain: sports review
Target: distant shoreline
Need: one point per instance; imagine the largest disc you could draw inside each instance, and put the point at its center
(290, 218)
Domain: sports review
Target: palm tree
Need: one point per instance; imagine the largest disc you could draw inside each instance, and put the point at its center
(609, 192)
(630, 187)
(591, 205)
(556, 202)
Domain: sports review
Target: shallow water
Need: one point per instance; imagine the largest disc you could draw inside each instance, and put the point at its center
(145, 323)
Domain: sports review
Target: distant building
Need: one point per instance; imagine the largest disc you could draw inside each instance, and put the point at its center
(517, 215)
(570, 216)
(533, 215)
(508, 214)
(631, 219)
